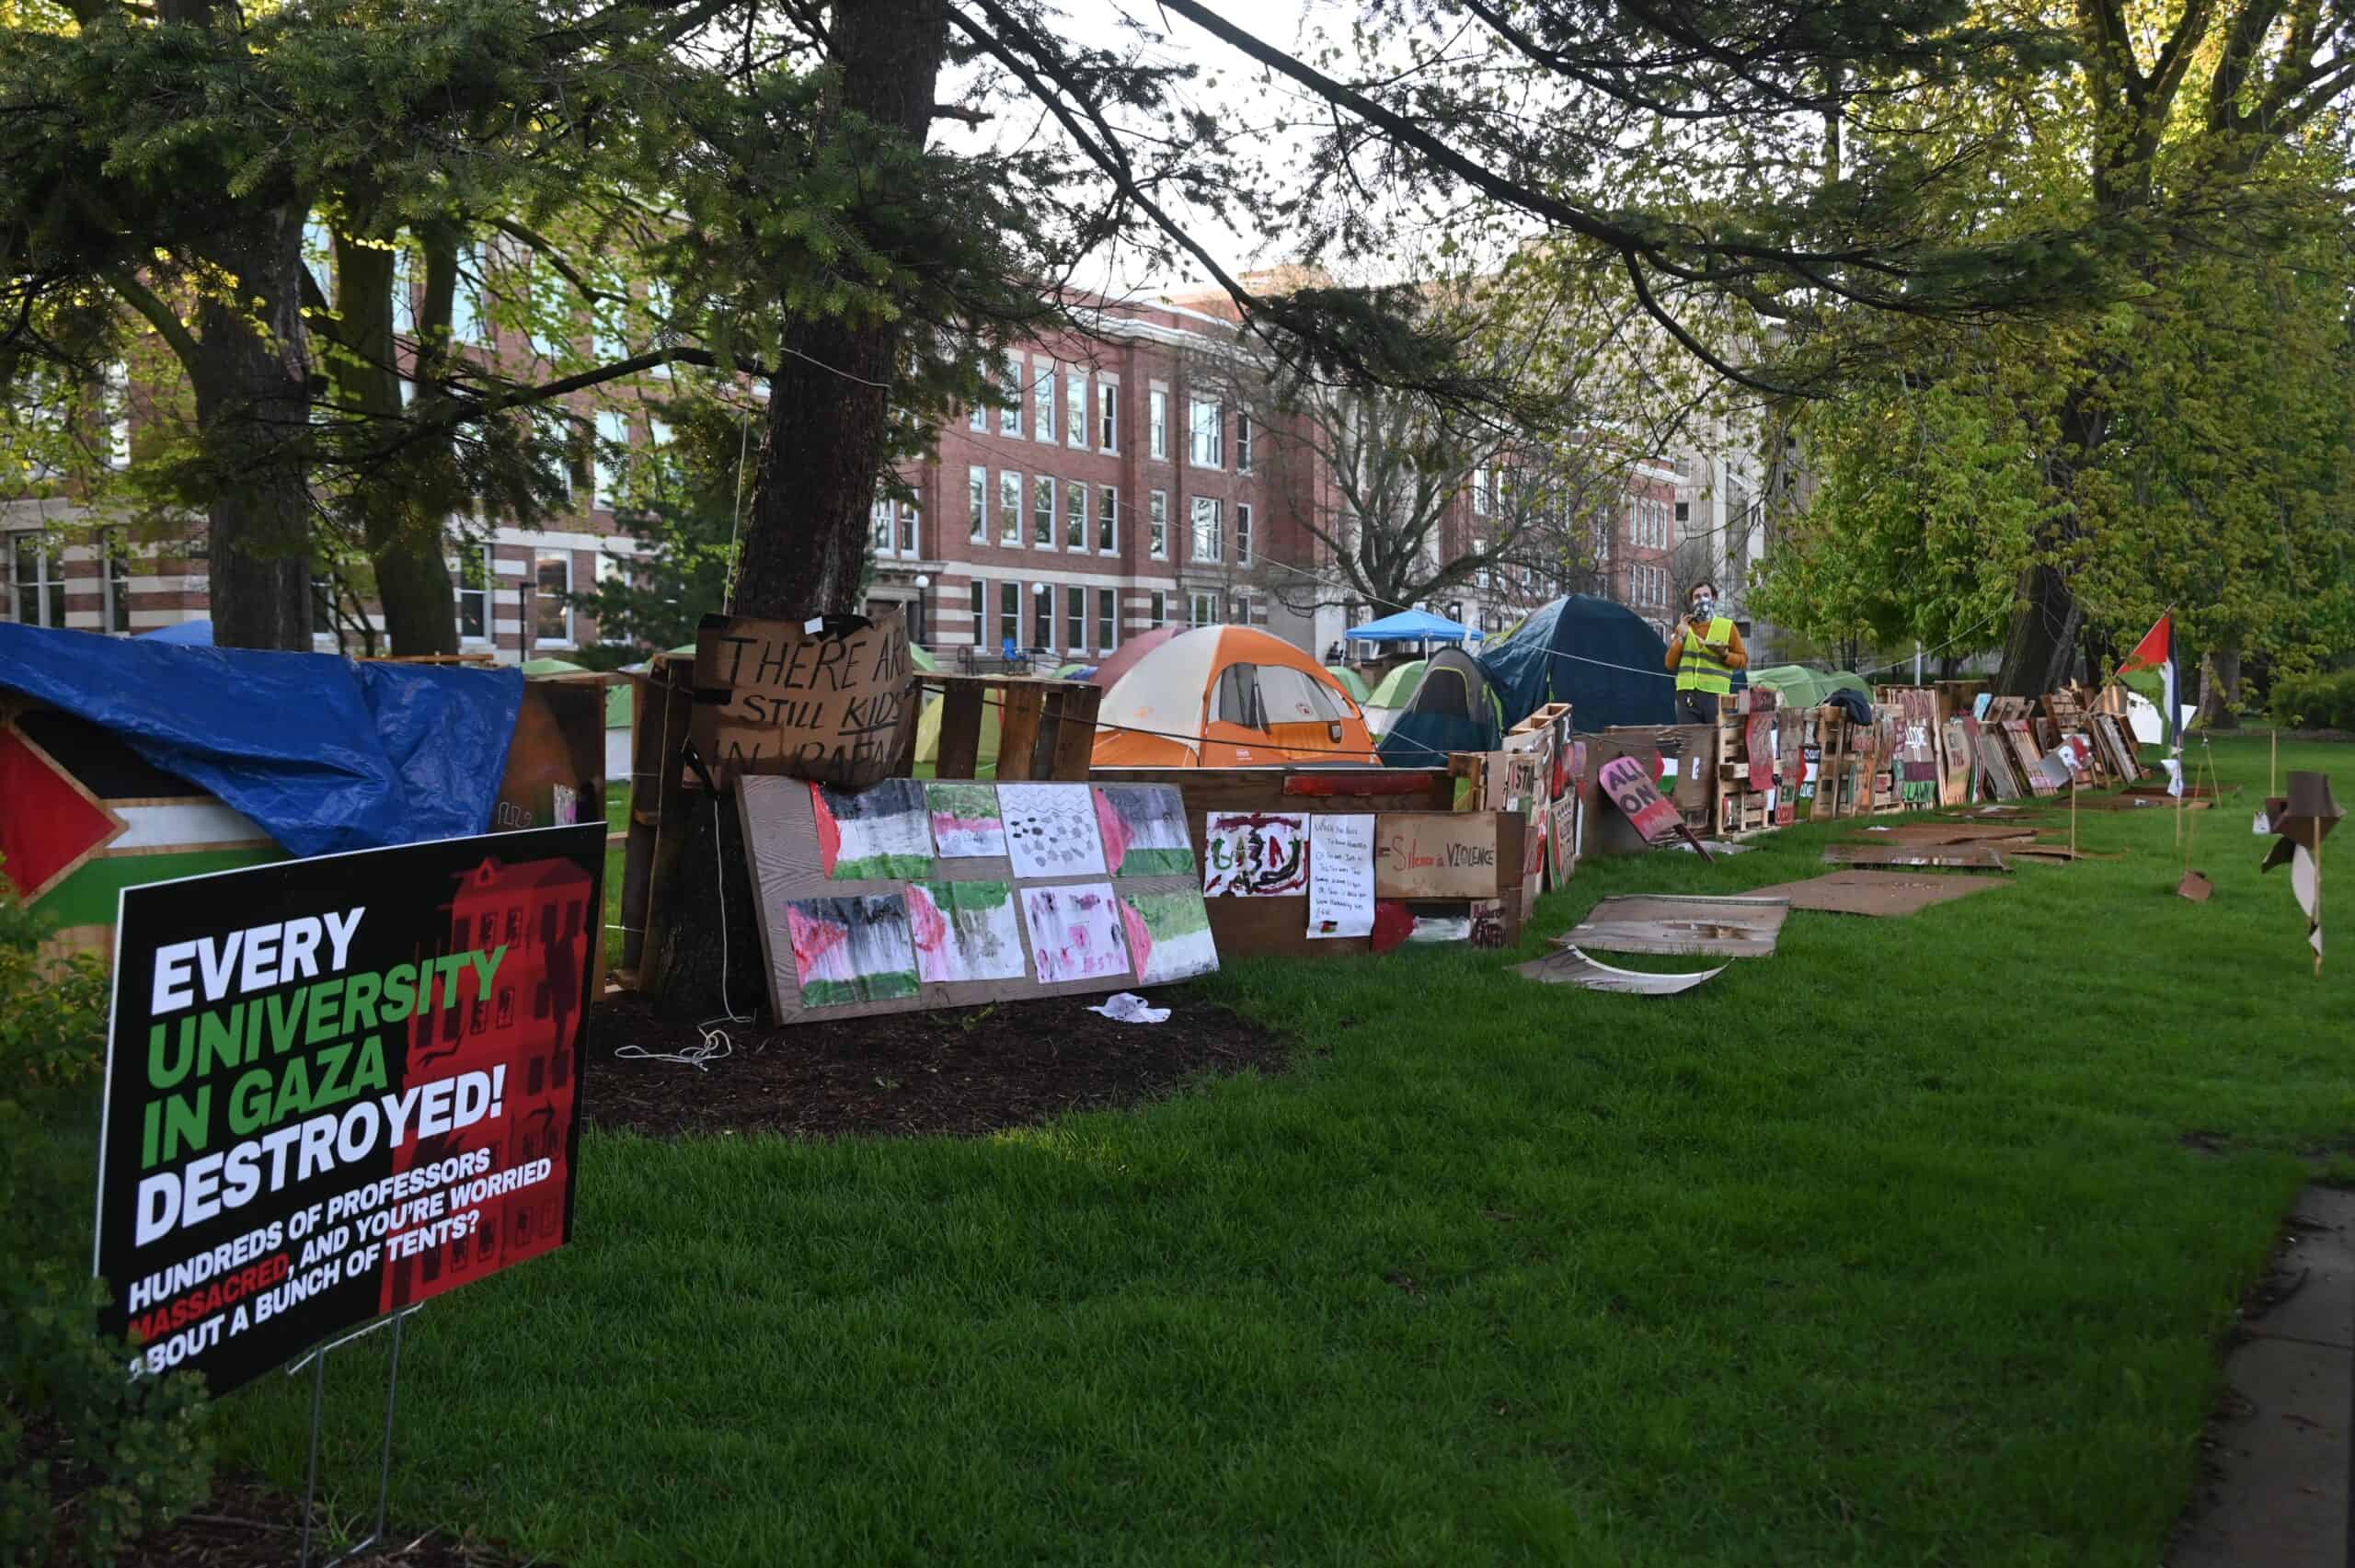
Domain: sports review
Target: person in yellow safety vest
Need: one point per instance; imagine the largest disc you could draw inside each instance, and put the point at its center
(1704, 651)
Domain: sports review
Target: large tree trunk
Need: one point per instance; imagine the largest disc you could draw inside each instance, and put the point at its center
(2220, 688)
(2043, 645)
(402, 510)
(251, 377)
(829, 428)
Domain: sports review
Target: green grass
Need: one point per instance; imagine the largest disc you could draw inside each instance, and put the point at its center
(616, 821)
(1887, 1249)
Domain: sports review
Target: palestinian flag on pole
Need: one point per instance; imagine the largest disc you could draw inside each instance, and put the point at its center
(2156, 651)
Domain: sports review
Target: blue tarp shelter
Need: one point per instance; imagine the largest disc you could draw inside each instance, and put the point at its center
(197, 633)
(325, 753)
(1410, 627)
(1454, 710)
(1600, 657)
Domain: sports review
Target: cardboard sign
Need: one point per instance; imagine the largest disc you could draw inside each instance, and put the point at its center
(339, 1086)
(836, 704)
(1437, 854)
(1629, 785)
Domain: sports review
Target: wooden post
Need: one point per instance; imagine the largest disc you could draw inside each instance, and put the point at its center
(2273, 759)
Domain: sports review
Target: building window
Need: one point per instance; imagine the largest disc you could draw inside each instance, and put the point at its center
(1042, 403)
(466, 300)
(977, 418)
(118, 411)
(980, 592)
(1242, 533)
(1210, 533)
(1075, 407)
(1042, 512)
(1009, 418)
(1157, 421)
(115, 612)
(976, 491)
(613, 451)
(475, 580)
(1108, 513)
(879, 525)
(1074, 619)
(1107, 616)
(1204, 612)
(1241, 442)
(1074, 517)
(1009, 617)
(1160, 613)
(1156, 525)
(37, 581)
(1009, 508)
(1206, 432)
(1042, 614)
(551, 616)
(911, 528)
(1107, 414)
(1240, 610)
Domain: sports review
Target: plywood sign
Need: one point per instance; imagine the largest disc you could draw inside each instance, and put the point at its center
(939, 893)
(833, 700)
(1436, 854)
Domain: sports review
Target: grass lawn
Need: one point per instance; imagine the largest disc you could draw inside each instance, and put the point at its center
(1887, 1249)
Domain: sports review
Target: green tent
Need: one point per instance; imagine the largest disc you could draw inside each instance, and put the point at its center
(619, 705)
(1397, 688)
(928, 740)
(922, 660)
(1797, 686)
(552, 667)
(1351, 682)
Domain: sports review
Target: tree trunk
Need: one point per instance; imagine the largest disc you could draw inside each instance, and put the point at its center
(251, 378)
(828, 422)
(828, 437)
(402, 510)
(2220, 688)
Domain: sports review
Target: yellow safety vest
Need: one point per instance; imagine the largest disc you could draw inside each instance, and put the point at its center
(1698, 670)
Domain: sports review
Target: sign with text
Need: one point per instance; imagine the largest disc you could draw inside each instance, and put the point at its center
(832, 700)
(339, 1086)
(1434, 854)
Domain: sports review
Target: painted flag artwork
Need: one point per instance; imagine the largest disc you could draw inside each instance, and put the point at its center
(1758, 738)
(1075, 932)
(1255, 855)
(2156, 651)
(847, 950)
(965, 931)
(1628, 784)
(880, 833)
(53, 824)
(1143, 827)
(965, 823)
(1169, 937)
(1051, 830)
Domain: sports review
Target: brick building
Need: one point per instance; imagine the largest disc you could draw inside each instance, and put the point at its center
(1121, 492)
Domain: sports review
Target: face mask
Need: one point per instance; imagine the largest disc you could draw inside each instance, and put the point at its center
(1703, 607)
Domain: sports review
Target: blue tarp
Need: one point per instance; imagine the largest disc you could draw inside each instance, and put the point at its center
(1600, 658)
(1410, 627)
(199, 633)
(327, 754)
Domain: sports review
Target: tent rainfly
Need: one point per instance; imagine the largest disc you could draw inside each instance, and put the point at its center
(1228, 697)
(1411, 626)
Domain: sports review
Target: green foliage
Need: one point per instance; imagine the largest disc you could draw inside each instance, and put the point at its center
(678, 507)
(2323, 701)
(137, 1454)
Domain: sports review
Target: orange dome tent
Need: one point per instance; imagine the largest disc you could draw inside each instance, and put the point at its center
(1228, 697)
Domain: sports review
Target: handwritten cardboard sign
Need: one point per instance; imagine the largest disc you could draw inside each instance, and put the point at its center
(836, 704)
(1436, 854)
(1630, 788)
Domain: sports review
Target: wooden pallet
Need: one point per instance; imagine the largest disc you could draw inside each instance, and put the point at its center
(1046, 728)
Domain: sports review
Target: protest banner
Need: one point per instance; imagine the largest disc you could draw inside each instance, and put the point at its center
(339, 1086)
(830, 700)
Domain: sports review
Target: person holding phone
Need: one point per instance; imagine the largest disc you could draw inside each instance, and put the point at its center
(1705, 650)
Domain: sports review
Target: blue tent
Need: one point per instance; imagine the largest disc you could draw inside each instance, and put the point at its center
(1455, 709)
(325, 753)
(1410, 627)
(1600, 658)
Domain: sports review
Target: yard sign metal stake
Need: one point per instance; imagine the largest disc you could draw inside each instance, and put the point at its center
(317, 1361)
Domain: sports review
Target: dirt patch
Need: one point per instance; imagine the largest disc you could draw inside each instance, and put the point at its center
(243, 1524)
(961, 1071)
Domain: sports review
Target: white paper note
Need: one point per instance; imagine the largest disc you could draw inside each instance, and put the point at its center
(1340, 875)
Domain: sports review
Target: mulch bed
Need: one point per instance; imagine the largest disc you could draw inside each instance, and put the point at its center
(963, 1071)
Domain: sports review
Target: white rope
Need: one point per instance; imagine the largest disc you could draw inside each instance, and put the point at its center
(716, 1045)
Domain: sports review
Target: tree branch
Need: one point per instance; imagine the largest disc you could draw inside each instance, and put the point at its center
(142, 299)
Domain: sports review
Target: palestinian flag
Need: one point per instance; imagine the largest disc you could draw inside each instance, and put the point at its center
(2156, 651)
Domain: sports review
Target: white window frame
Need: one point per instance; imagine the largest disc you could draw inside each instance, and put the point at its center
(1075, 519)
(1202, 608)
(1107, 414)
(979, 600)
(1210, 511)
(976, 491)
(541, 598)
(118, 396)
(1242, 441)
(488, 592)
(1108, 519)
(1108, 620)
(1239, 608)
(1006, 634)
(1042, 627)
(1042, 401)
(1156, 524)
(114, 587)
(1075, 408)
(977, 418)
(48, 582)
(1159, 609)
(1242, 533)
(1157, 424)
(1010, 499)
(1205, 432)
(1042, 508)
(1009, 418)
(1074, 618)
(612, 428)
